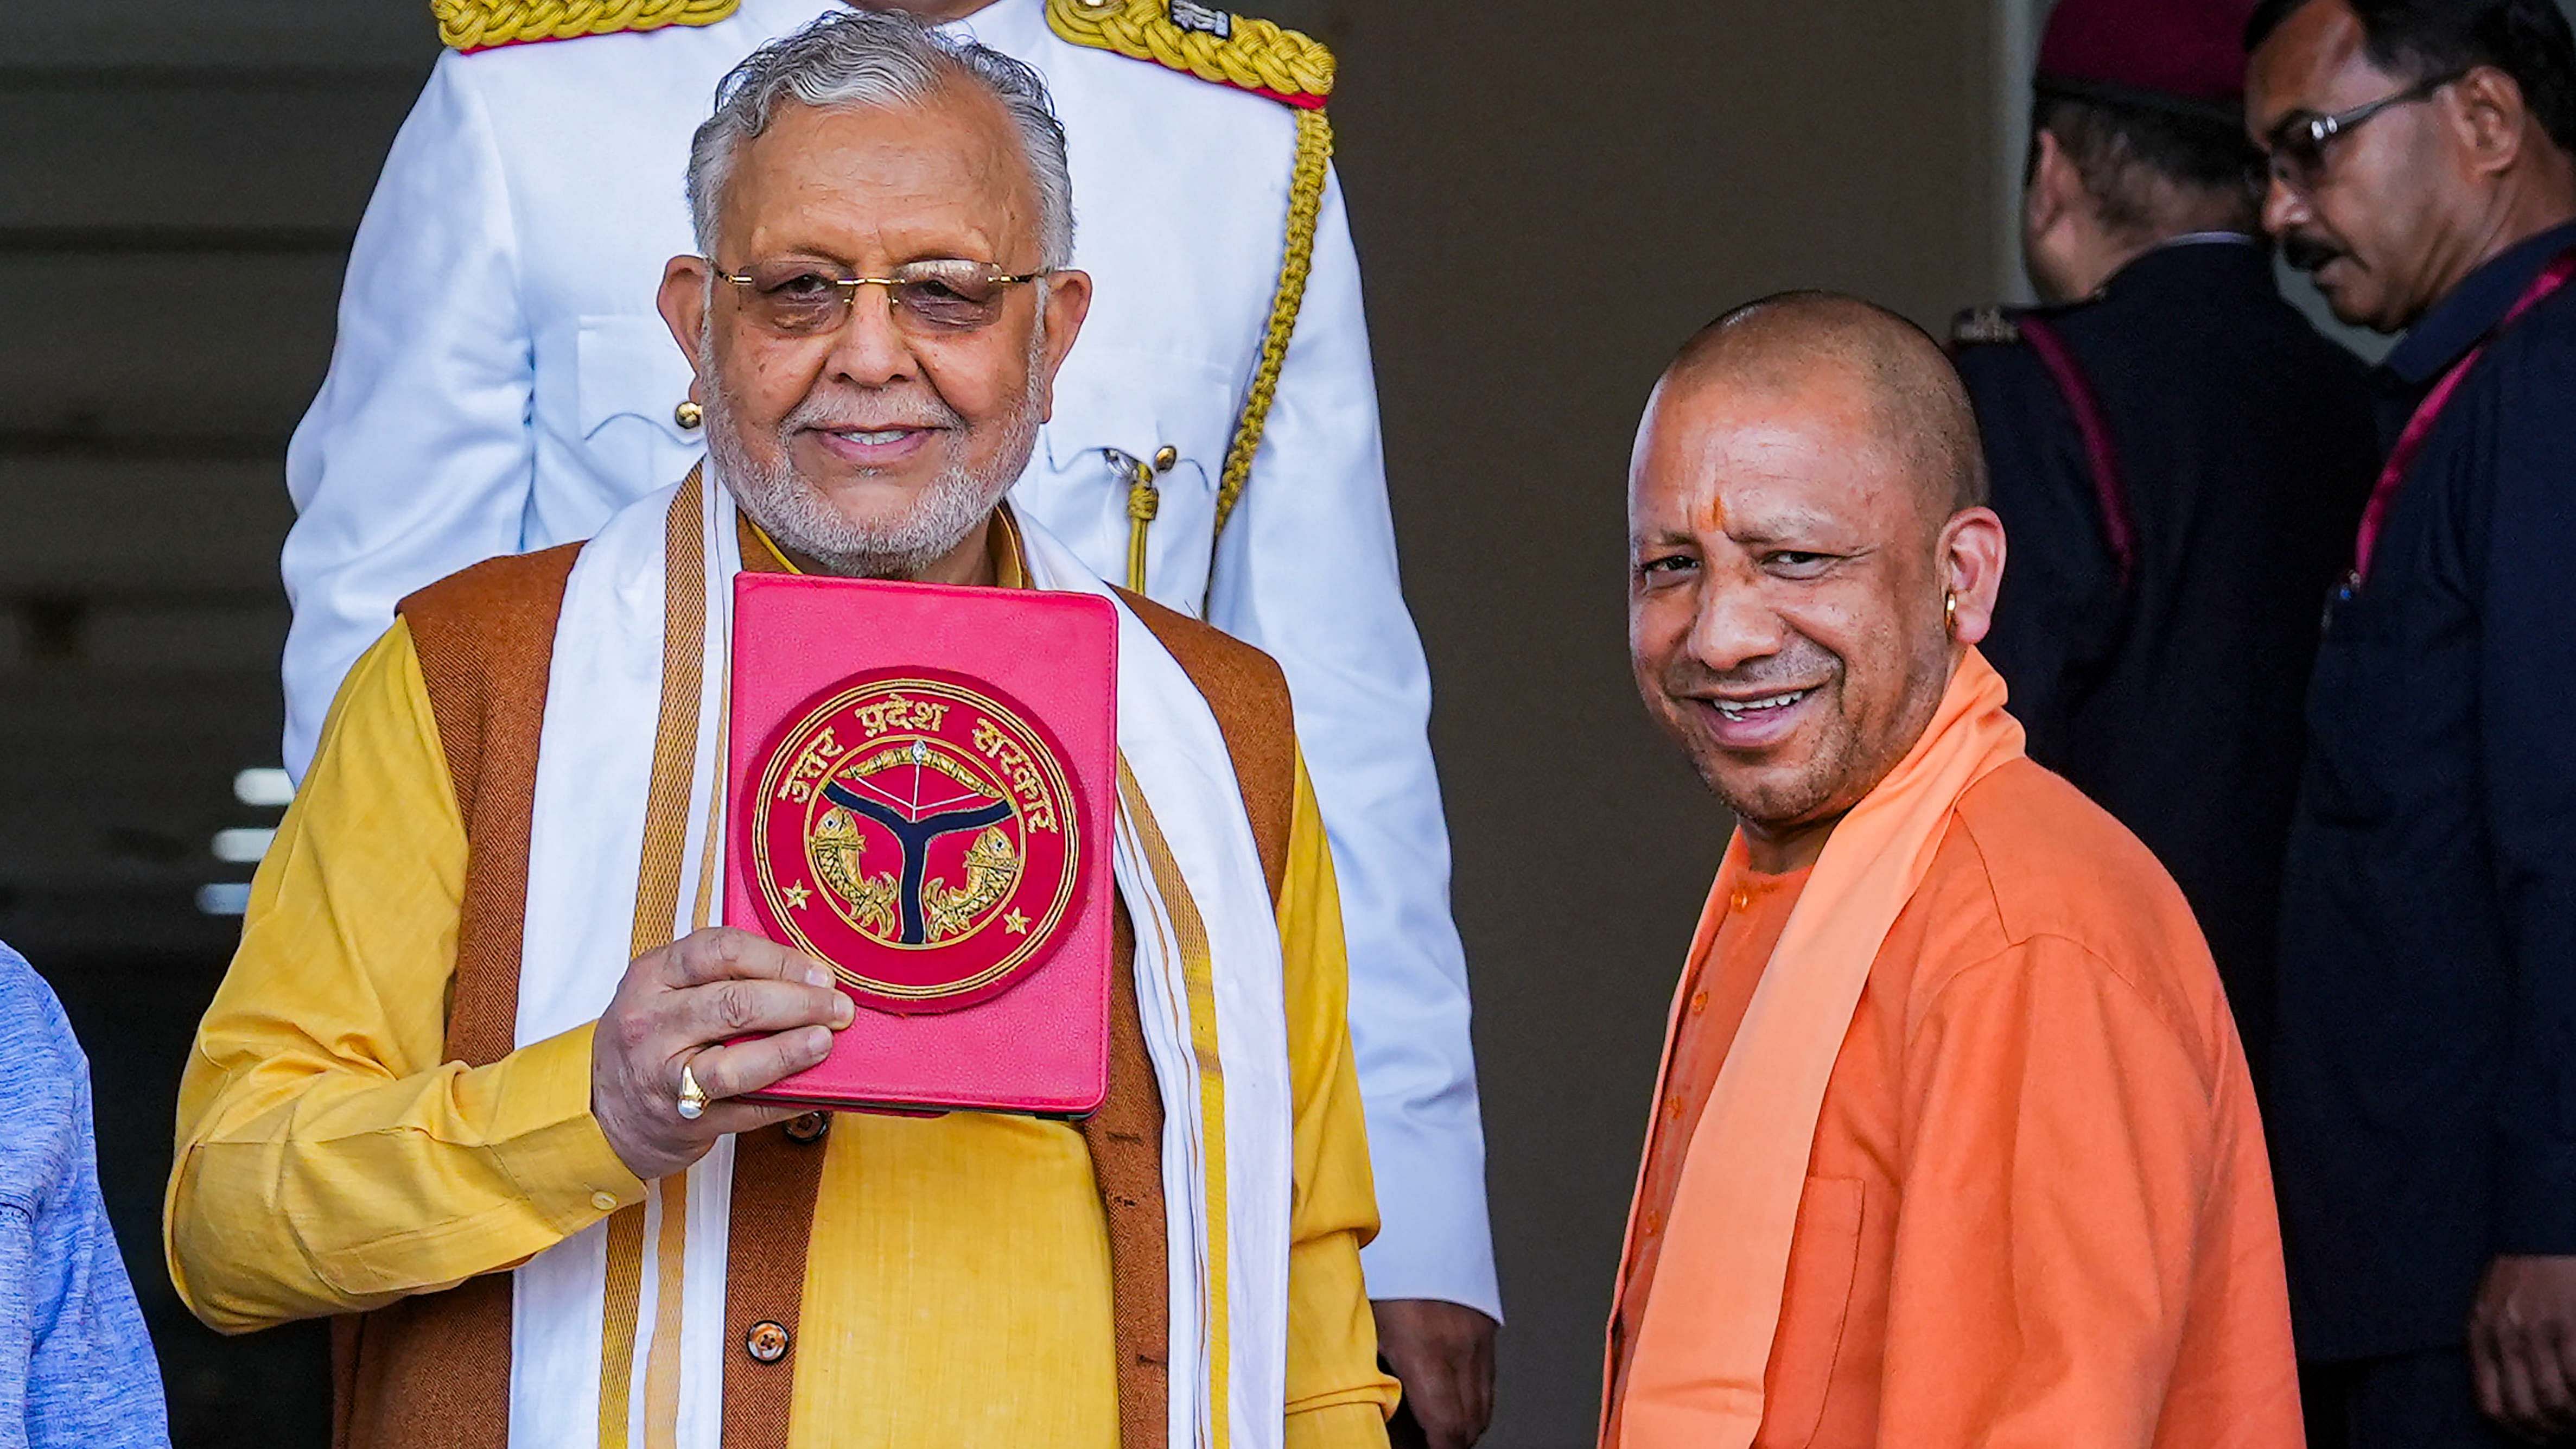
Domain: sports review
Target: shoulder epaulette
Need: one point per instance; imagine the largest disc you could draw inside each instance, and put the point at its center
(1183, 35)
(1983, 326)
(483, 24)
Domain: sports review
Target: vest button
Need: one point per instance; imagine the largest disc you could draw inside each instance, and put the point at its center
(808, 1128)
(766, 1343)
(688, 415)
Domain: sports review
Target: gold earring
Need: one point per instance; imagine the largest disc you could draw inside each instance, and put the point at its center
(1950, 612)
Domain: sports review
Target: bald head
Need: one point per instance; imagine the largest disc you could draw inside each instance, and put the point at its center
(1798, 342)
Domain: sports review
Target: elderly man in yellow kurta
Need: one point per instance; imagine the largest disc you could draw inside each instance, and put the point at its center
(450, 1091)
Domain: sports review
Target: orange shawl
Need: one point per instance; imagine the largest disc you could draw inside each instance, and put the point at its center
(1694, 1378)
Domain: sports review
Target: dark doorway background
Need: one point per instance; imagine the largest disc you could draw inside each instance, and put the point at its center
(1548, 198)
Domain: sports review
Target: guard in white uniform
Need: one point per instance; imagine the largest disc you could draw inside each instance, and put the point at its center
(502, 382)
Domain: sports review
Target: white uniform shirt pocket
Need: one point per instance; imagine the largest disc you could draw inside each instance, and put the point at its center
(1113, 402)
(629, 379)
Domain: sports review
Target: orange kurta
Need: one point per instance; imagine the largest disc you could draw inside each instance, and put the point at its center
(2037, 1210)
(1716, 990)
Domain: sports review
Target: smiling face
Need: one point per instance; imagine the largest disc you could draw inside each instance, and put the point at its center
(2382, 230)
(878, 447)
(1790, 560)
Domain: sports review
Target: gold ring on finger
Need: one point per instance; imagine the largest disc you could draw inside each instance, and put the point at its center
(693, 1098)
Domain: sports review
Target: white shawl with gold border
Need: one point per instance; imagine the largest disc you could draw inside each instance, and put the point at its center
(618, 1331)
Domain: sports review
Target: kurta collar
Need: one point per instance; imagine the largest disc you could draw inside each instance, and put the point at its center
(2473, 308)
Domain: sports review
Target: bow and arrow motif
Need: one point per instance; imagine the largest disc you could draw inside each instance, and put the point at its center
(918, 797)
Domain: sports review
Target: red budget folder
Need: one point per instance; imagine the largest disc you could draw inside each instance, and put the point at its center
(920, 795)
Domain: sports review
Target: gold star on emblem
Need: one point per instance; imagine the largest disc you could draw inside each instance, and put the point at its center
(799, 897)
(1016, 924)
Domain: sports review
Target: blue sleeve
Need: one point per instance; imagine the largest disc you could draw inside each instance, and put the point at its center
(2527, 750)
(17, 1265)
(76, 1366)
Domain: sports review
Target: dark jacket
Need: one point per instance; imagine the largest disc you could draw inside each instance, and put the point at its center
(2243, 442)
(2424, 1084)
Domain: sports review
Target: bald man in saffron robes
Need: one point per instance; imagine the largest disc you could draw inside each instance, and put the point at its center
(1953, 1143)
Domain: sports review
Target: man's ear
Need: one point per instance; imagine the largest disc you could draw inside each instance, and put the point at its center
(1972, 570)
(1068, 301)
(2490, 118)
(683, 301)
(2054, 188)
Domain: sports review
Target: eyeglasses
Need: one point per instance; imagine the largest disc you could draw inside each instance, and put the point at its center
(804, 299)
(2298, 145)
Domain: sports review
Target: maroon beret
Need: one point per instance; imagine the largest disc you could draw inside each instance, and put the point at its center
(2181, 55)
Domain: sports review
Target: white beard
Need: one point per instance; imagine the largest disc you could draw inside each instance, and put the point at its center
(797, 515)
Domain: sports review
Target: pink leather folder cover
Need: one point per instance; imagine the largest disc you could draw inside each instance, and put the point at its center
(920, 793)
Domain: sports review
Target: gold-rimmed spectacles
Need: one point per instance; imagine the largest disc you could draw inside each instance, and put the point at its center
(800, 298)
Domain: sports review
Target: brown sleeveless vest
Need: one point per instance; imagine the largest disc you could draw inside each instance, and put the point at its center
(433, 1371)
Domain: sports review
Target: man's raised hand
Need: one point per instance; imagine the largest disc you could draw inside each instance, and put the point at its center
(677, 1007)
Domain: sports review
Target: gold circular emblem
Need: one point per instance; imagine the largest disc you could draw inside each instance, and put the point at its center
(918, 832)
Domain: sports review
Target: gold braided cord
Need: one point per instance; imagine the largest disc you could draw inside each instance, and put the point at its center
(1258, 55)
(1305, 202)
(1144, 500)
(475, 24)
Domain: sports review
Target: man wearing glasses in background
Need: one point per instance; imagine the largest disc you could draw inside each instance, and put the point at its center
(2178, 458)
(2423, 1083)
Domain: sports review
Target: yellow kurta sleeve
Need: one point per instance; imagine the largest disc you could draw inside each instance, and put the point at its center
(329, 1159)
(1337, 1399)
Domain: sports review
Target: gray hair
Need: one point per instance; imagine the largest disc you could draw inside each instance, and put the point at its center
(868, 58)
